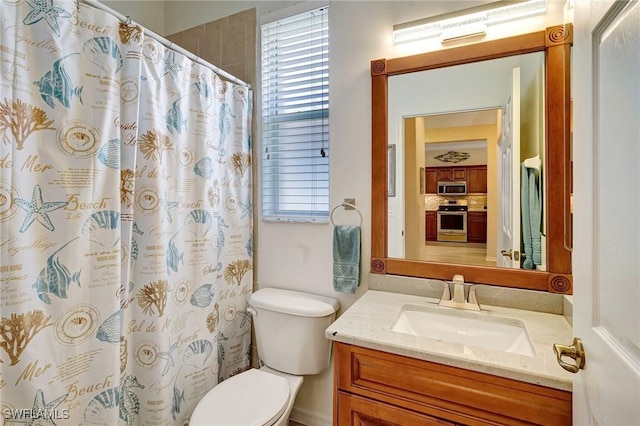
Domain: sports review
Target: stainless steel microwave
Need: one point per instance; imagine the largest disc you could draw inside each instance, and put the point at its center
(452, 188)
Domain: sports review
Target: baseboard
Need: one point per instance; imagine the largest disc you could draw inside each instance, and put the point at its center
(307, 418)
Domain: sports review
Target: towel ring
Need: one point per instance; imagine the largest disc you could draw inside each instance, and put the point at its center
(345, 205)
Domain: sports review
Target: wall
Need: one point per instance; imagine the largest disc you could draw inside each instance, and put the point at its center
(453, 134)
(149, 14)
(413, 235)
(532, 116)
(299, 256)
(185, 14)
(492, 182)
(421, 229)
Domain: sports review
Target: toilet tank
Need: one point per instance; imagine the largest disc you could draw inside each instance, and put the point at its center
(290, 328)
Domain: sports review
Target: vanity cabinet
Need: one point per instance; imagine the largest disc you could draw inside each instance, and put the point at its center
(476, 227)
(431, 225)
(477, 179)
(378, 388)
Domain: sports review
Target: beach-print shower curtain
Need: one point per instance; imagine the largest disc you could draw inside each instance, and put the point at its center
(125, 221)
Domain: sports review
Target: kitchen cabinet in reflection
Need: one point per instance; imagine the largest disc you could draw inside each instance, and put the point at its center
(477, 227)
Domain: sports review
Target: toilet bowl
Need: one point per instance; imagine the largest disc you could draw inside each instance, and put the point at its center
(290, 336)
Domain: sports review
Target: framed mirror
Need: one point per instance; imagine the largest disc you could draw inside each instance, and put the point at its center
(450, 211)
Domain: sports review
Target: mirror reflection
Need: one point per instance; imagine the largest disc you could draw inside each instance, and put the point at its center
(469, 144)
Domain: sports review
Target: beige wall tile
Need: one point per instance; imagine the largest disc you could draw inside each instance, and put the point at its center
(176, 38)
(238, 19)
(236, 70)
(211, 46)
(219, 25)
(233, 45)
(190, 41)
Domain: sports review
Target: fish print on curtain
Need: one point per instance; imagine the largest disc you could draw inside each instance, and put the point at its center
(125, 221)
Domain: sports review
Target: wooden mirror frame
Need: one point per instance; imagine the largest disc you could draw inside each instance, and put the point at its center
(556, 43)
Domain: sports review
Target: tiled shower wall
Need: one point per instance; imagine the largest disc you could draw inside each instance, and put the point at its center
(228, 43)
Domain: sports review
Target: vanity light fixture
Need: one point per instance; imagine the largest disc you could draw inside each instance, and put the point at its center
(464, 31)
(467, 22)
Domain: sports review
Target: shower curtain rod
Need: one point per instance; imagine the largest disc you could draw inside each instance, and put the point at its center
(166, 43)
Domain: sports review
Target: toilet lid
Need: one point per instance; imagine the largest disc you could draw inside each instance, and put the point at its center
(252, 398)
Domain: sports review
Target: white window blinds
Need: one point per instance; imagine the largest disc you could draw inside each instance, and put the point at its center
(295, 118)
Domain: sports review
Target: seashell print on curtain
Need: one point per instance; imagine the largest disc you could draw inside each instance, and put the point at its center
(125, 222)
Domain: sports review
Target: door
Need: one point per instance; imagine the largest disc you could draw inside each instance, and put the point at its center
(606, 204)
(509, 177)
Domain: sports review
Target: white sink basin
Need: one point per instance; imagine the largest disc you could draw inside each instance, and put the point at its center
(465, 327)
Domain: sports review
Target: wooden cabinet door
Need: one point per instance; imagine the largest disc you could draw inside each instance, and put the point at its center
(477, 180)
(450, 174)
(459, 173)
(445, 174)
(431, 226)
(378, 388)
(431, 181)
(476, 227)
(357, 411)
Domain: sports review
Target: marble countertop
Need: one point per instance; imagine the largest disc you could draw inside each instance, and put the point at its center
(368, 323)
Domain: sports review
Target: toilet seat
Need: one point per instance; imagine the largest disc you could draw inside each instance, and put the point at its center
(252, 398)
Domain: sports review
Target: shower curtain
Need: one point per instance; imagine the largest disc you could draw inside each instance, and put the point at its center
(125, 221)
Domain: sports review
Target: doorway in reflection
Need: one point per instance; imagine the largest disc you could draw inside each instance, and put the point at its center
(457, 155)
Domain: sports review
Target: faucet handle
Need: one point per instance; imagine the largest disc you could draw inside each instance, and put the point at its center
(472, 294)
(472, 300)
(446, 291)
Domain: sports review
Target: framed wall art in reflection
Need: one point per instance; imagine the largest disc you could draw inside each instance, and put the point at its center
(391, 184)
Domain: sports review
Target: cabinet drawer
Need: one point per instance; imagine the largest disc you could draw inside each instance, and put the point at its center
(468, 397)
(358, 411)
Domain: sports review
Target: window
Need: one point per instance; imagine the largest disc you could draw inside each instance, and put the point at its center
(295, 118)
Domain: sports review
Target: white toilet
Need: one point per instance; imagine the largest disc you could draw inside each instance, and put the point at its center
(290, 329)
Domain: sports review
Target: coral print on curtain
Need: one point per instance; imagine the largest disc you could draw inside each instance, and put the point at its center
(125, 222)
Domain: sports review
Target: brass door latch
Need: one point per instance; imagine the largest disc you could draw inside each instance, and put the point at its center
(575, 351)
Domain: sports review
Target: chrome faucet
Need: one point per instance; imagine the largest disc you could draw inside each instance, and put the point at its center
(459, 300)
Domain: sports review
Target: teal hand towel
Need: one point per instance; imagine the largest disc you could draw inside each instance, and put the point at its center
(535, 214)
(531, 210)
(346, 258)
